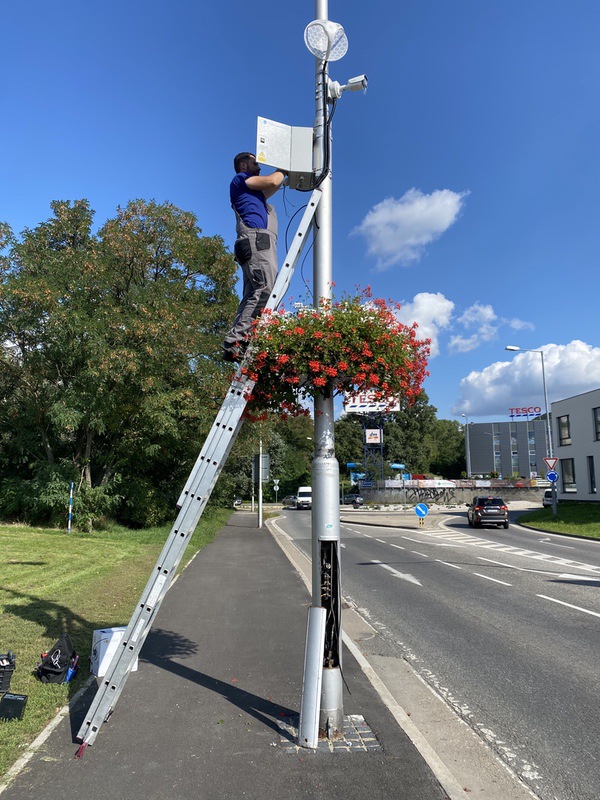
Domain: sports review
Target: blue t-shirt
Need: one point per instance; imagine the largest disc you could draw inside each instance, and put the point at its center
(250, 204)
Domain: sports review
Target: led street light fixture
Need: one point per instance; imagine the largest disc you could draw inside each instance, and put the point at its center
(326, 40)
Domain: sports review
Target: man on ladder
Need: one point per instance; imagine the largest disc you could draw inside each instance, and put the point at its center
(255, 247)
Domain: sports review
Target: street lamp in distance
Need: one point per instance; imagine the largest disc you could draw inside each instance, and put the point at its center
(468, 446)
(549, 445)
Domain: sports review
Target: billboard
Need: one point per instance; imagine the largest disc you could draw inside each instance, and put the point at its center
(531, 412)
(373, 436)
(367, 403)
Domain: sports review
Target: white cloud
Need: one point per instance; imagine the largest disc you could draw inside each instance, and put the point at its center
(432, 313)
(570, 369)
(520, 325)
(480, 317)
(397, 231)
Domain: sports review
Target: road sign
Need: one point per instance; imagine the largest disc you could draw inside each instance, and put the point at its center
(421, 510)
(551, 463)
(552, 476)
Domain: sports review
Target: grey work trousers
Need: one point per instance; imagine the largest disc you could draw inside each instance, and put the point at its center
(256, 252)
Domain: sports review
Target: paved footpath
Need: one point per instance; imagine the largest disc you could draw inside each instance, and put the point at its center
(212, 711)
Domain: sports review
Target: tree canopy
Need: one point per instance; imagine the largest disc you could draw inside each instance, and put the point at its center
(411, 436)
(107, 374)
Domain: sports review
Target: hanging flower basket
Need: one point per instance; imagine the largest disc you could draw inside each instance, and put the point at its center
(351, 346)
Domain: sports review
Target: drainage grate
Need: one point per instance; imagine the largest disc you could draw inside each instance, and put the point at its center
(357, 737)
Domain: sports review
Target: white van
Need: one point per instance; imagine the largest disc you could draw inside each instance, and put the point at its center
(304, 497)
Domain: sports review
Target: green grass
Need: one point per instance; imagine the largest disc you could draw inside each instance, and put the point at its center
(52, 582)
(576, 519)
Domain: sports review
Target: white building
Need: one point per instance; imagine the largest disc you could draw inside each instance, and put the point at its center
(576, 435)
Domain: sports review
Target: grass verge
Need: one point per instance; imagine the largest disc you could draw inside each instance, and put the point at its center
(52, 582)
(576, 519)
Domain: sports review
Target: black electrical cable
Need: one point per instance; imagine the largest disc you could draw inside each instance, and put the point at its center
(327, 132)
(289, 223)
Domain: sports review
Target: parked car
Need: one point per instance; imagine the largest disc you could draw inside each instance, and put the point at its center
(289, 501)
(353, 500)
(487, 511)
(547, 498)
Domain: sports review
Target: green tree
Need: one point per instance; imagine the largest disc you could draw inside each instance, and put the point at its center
(107, 375)
(408, 435)
(448, 448)
(349, 441)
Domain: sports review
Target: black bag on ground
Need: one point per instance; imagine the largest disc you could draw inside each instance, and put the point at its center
(56, 662)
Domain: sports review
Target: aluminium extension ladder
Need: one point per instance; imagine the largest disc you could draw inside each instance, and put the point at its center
(191, 503)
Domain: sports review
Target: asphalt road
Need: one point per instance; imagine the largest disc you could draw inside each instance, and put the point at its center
(504, 625)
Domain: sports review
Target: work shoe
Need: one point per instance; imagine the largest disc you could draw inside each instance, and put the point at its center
(235, 353)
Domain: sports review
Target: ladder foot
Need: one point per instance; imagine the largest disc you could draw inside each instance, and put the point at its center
(81, 750)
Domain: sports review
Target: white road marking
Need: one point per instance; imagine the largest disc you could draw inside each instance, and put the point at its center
(516, 551)
(405, 576)
(569, 605)
(397, 546)
(566, 546)
(571, 577)
(487, 577)
(383, 541)
(454, 566)
(419, 554)
(519, 569)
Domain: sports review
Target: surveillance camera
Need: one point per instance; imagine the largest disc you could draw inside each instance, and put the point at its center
(360, 82)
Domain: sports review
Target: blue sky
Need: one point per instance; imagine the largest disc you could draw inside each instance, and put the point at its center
(465, 180)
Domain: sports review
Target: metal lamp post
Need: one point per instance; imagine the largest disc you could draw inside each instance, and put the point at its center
(468, 446)
(322, 690)
(549, 445)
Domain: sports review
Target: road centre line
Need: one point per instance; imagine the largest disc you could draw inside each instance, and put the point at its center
(569, 605)
(408, 539)
(381, 540)
(487, 577)
(454, 566)
(419, 554)
(397, 546)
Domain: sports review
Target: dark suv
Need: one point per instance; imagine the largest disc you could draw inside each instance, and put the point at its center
(487, 511)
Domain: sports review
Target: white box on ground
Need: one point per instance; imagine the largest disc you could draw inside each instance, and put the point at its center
(104, 644)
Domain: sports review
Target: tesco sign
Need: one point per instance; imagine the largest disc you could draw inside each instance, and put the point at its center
(525, 411)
